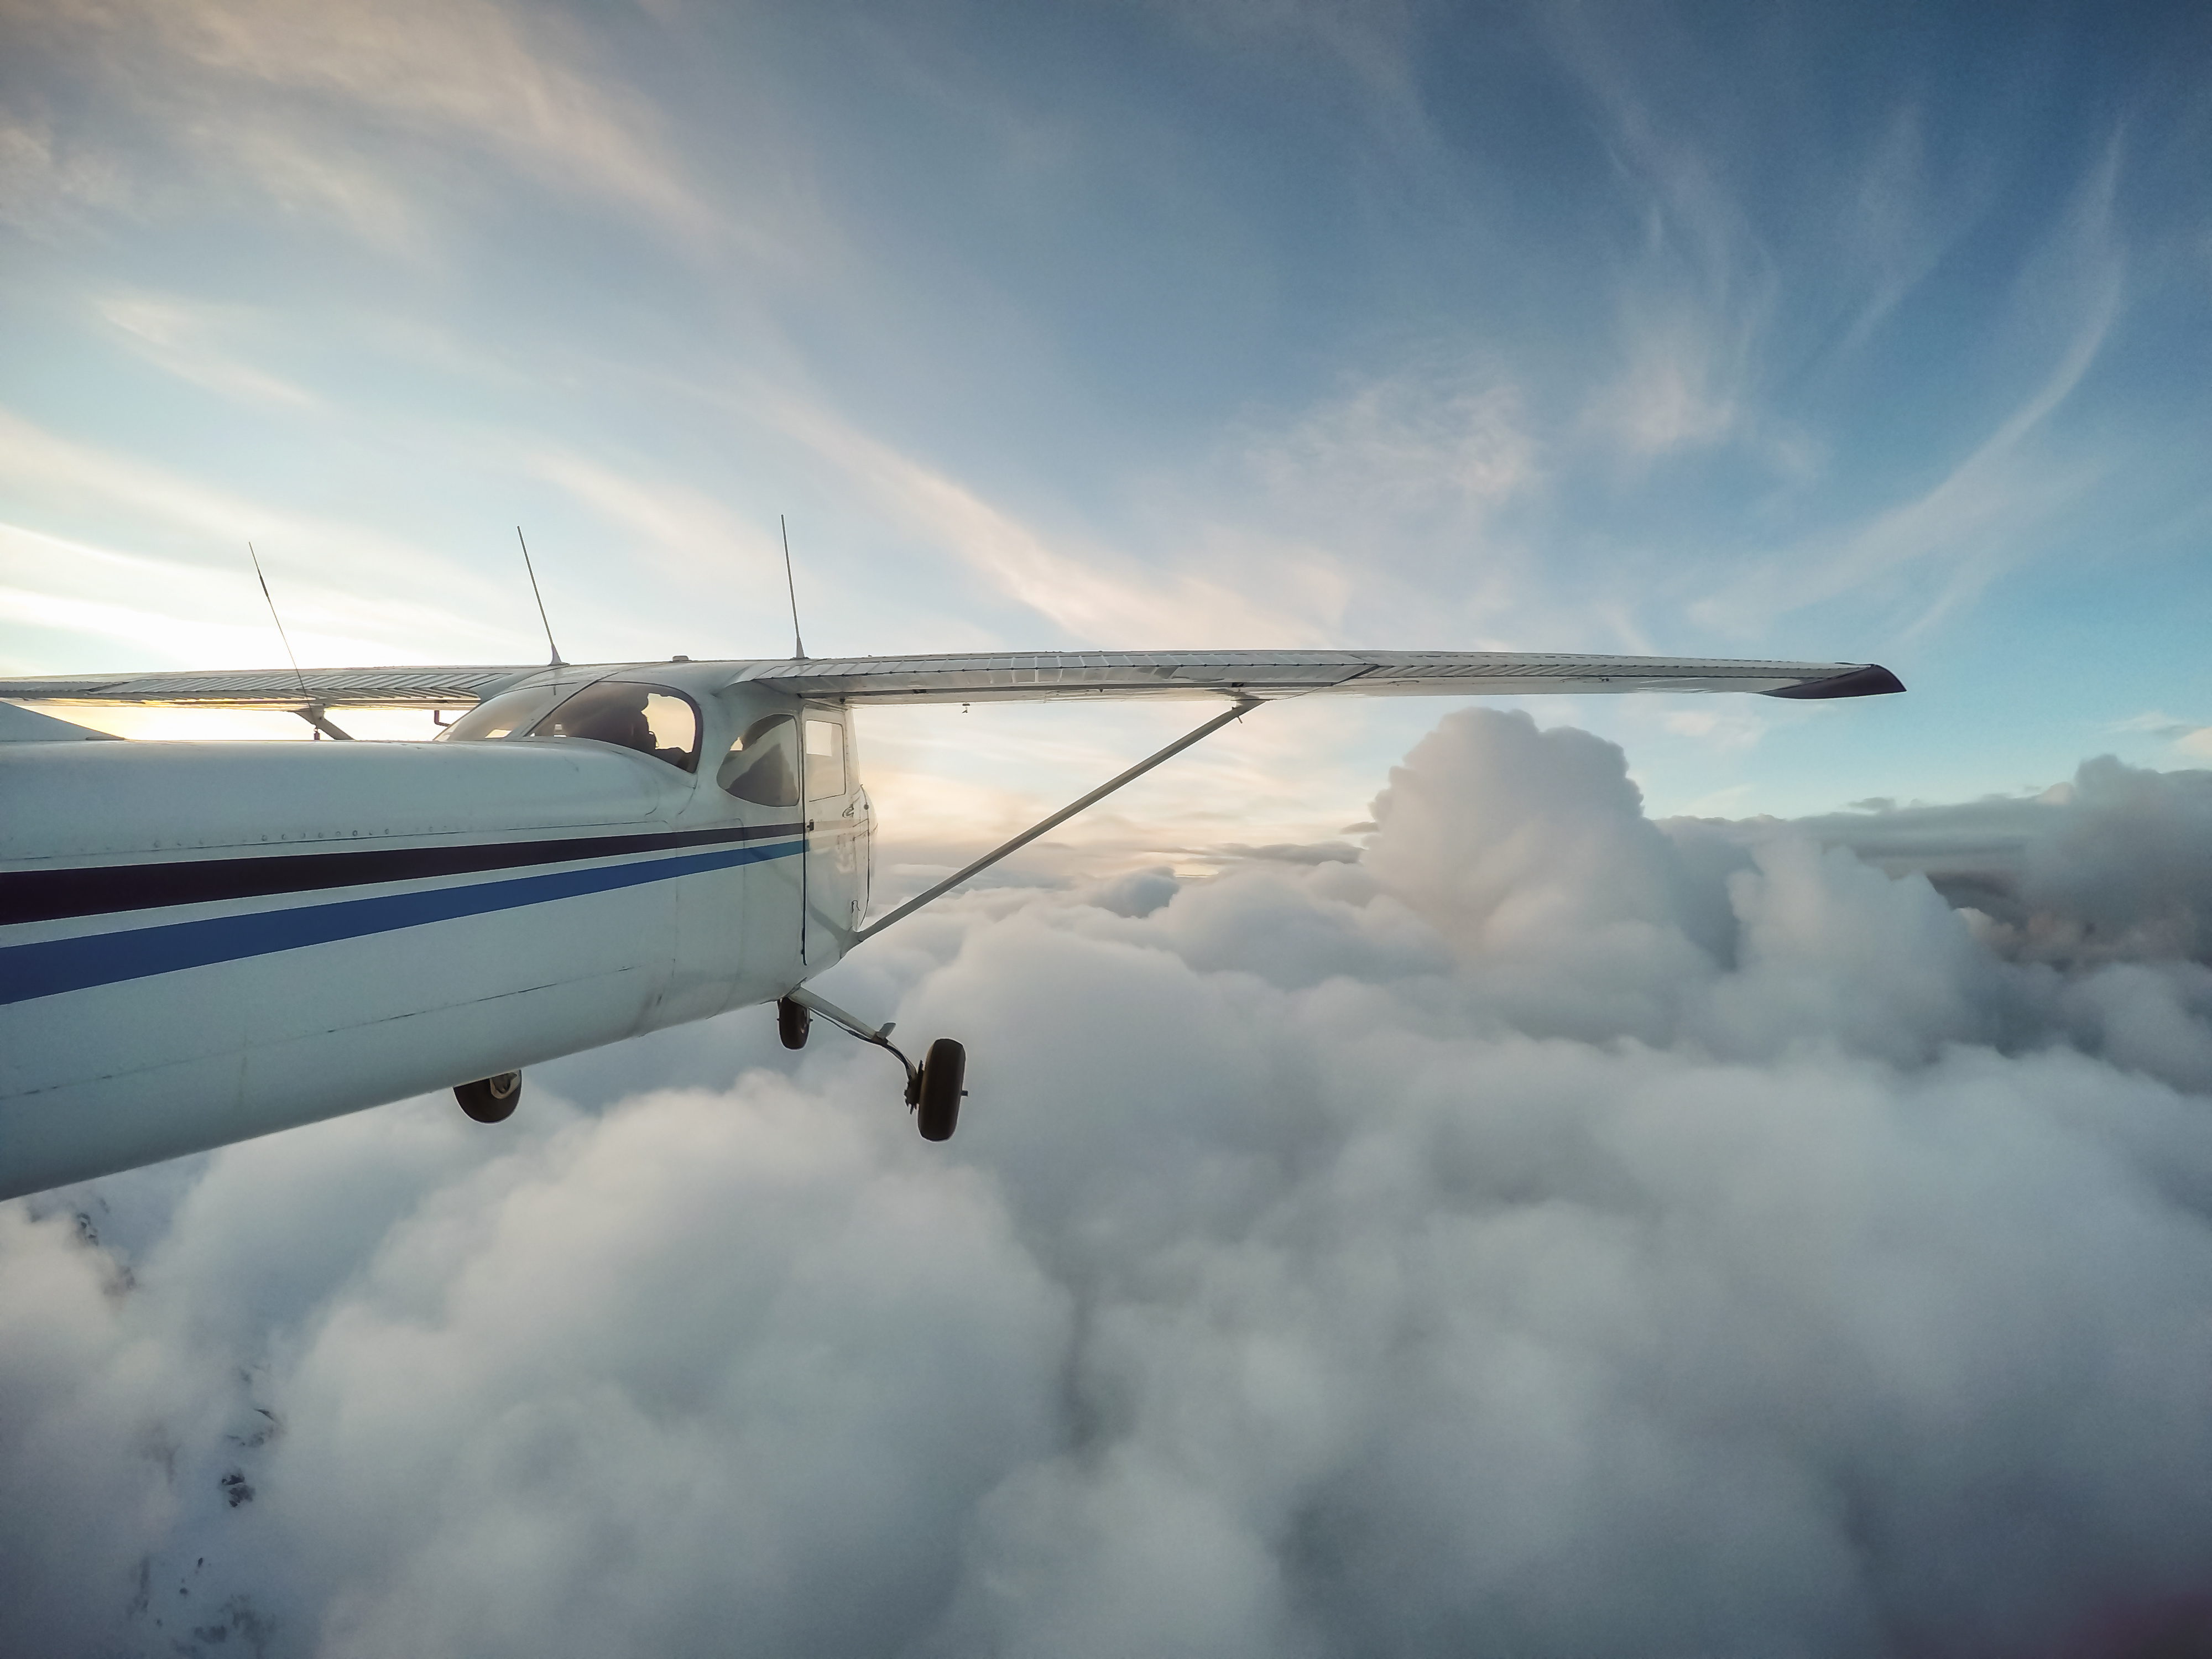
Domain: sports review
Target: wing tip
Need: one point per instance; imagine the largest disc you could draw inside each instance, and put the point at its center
(1868, 679)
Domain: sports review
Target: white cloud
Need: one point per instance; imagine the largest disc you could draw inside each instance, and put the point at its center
(95, 1408)
(1556, 1231)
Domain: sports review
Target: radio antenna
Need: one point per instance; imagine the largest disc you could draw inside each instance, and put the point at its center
(540, 598)
(278, 620)
(314, 714)
(798, 646)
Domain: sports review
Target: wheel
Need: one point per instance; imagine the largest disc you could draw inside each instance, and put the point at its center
(791, 1022)
(937, 1103)
(492, 1099)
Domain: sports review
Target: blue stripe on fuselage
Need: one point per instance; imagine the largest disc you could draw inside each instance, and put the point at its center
(52, 966)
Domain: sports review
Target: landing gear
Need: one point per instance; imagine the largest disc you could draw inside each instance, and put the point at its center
(791, 1022)
(935, 1090)
(492, 1099)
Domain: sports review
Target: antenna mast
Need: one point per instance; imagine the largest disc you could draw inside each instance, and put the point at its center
(314, 714)
(798, 646)
(540, 598)
(278, 620)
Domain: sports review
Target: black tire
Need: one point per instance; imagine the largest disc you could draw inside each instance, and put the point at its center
(937, 1103)
(492, 1099)
(793, 1023)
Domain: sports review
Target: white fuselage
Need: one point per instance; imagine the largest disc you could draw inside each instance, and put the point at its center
(201, 942)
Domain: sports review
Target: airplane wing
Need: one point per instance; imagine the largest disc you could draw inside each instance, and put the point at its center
(1010, 676)
(272, 688)
(1003, 675)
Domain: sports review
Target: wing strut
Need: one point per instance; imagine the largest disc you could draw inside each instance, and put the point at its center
(1242, 706)
(319, 717)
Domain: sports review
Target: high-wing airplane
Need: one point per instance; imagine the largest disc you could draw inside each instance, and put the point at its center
(202, 942)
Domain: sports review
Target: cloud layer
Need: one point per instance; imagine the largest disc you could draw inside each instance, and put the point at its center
(1554, 1233)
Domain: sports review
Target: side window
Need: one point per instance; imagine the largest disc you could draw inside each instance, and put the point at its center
(825, 759)
(762, 766)
(653, 722)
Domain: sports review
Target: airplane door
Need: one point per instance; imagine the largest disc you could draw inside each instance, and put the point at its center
(837, 845)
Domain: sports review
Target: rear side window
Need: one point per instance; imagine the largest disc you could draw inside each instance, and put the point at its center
(762, 766)
(661, 724)
(825, 759)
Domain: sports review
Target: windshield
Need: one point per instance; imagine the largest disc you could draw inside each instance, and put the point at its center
(661, 724)
(505, 714)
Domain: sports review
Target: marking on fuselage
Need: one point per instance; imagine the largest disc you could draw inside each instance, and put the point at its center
(50, 967)
(54, 894)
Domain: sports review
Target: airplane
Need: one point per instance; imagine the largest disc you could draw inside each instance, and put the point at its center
(203, 942)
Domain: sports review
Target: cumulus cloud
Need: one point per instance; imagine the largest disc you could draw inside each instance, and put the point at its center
(2115, 864)
(1552, 1232)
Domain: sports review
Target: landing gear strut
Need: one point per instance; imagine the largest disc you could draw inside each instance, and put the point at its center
(933, 1090)
(492, 1099)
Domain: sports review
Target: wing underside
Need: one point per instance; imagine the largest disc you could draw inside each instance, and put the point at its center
(1272, 674)
(272, 688)
(999, 677)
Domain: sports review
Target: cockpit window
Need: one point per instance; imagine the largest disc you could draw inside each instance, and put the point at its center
(505, 714)
(762, 766)
(653, 722)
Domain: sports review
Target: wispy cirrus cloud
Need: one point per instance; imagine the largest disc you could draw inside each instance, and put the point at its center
(1376, 503)
(352, 591)
(196, 343)
(308, 100)
(1974, 521)
(45, 182)
(1676, 392)
(1095, 594)
(1426, 442)
(675, 524)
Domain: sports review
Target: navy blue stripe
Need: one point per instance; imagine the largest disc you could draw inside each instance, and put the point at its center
(52, 966)
(51, 895)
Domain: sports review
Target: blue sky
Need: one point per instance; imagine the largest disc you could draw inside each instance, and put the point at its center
(1868, 332)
